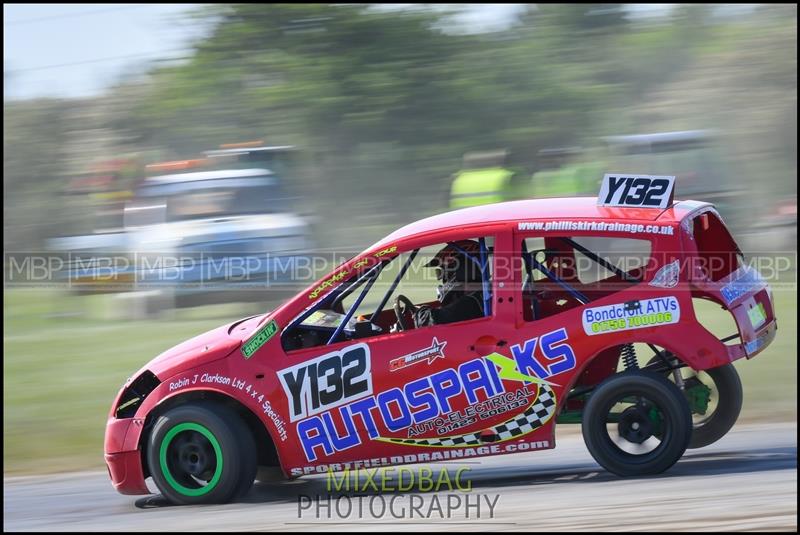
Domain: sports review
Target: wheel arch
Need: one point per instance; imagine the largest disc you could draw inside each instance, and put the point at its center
(594, 368)
(267, 451)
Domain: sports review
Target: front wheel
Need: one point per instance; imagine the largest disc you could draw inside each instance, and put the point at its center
(715, 399)
(636, 423)
(201, 453)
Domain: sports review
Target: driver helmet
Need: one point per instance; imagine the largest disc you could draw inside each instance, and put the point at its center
(457, 273)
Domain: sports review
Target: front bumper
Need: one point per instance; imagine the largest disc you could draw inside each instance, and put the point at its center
(125, 469)
(123, 458)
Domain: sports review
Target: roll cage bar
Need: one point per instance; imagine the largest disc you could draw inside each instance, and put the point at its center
(531, 263)
(370, 276)
(337, 295)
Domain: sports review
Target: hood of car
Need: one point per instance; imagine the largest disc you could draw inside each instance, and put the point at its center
(212, 345)
(246, 327)
(201, 349)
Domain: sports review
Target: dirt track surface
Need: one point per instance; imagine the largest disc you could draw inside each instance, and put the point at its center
(746, 481)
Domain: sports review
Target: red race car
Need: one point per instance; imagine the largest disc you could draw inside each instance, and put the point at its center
(542, 307)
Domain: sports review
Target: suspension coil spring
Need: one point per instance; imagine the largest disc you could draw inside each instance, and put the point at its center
(629, 357)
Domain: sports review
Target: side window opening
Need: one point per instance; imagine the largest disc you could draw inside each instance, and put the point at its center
(604, 259)
(564, 272)
(717, 252)
(367, 305)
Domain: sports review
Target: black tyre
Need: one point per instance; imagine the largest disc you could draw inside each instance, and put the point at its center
(636, 423)
(715, 399)
(201, 453)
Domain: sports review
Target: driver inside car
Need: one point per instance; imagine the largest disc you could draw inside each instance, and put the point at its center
(460, 290)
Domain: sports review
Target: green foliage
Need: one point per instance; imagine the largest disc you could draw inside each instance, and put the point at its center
(383, 102)
(34, 136)
(386, 101)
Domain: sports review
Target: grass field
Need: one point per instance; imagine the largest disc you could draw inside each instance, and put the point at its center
(65, 360)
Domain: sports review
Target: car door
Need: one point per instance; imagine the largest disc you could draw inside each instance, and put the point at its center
(429, 380)
(493, 407)
(449, 386)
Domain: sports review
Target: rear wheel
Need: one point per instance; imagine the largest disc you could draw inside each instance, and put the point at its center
(714, 397)
(201, 453)
(636, 423)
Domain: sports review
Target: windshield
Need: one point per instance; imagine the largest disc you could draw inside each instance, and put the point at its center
(213, 198)
(221, 202)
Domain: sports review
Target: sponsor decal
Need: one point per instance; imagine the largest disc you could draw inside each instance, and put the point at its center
(536, 415)
(435, 351)
(206, 378)
(643, 191)
(554, 356)
(757, 344)
(234, 383)
(328, 381)
(424, 457)
(667, 276)
(259, 339)
(562, 225)
(427, 404)
(328, 283)
(742, 281)
(338, 277)
(384, 252)
(280, 425)
(631, 315)
(500, 404)
(757, 315)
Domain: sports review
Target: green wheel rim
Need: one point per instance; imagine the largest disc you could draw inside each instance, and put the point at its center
(187, 491)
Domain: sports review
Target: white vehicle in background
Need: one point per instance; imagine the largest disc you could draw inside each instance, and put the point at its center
(211, 236)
